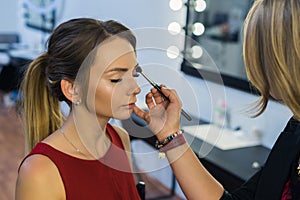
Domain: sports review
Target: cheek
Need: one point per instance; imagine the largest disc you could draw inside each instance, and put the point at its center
(108, 96)
(103, 95)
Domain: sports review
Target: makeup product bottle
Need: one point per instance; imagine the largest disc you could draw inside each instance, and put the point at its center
(221, 116)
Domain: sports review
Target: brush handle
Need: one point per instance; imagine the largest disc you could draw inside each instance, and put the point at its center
(183, 112)
(139, 70)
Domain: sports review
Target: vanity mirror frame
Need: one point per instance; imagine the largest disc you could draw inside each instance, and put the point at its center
(187, 66)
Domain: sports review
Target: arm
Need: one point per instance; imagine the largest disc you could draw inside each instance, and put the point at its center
(164, 119)
(195, 181)
(39, 178)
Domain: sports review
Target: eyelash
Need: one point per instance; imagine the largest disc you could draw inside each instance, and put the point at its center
(116, 80)
(119, 80)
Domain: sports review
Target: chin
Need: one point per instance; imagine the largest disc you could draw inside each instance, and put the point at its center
(123, 115)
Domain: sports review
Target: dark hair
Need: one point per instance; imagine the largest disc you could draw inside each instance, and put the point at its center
(71, 43)
(68, 46)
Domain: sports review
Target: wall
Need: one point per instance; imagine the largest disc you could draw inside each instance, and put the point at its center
(198, 96)
(9, 20)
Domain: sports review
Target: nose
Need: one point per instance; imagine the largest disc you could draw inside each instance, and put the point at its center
(134, 88)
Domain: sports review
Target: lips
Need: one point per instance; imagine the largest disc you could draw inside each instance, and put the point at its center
(131, 105)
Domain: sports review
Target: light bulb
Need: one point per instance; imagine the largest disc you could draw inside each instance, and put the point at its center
(175, 4)
(197, 51)
(198, 29)
(172, 52)
(200, 5)
(174, 28)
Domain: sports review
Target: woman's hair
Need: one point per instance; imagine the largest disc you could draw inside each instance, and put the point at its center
(68, 46)
(272, 52)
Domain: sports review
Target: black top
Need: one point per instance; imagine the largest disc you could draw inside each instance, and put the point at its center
(269, 182)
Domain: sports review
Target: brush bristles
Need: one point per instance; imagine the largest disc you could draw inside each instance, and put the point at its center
(138, 69)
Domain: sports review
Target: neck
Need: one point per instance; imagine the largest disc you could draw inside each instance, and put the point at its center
(87, 134)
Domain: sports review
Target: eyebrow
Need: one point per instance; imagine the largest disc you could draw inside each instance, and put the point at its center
(119, 69)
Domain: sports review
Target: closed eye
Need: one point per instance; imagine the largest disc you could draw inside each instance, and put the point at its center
(134, 73)
(116, 80)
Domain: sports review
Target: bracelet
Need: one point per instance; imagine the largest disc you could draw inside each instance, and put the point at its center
(180, 140)
(174, 141)
(159, 145)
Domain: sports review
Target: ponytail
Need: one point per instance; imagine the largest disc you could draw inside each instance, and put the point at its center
(40, 110)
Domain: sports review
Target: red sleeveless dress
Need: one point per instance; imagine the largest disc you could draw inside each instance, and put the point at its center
(108, 178)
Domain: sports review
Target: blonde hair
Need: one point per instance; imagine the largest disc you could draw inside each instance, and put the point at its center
(41, 112)
(68, 47)
(272, 51)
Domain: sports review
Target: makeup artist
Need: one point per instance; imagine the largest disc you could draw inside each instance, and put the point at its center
(272, 59)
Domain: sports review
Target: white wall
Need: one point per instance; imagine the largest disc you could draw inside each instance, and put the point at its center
(9, 20)
(134, 14)
(198, 96)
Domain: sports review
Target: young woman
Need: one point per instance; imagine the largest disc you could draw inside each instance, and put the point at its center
(272, 60)
(89, 64)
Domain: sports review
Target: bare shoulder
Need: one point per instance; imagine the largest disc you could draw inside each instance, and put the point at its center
(39, 178)
(124, 137)
(36, 165)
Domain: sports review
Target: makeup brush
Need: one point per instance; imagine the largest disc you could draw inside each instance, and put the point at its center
(139, 70)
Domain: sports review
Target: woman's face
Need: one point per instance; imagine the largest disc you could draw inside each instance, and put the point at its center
(112, 85)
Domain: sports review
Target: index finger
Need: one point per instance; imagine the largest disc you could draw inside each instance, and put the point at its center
(171, 95)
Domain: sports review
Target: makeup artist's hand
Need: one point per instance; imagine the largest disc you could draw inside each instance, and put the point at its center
(163, 116)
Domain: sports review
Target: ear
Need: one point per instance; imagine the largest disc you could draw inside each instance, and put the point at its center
(68, 89)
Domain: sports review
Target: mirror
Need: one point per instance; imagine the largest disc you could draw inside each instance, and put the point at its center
(214, 28)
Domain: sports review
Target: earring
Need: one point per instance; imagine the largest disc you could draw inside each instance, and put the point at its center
(78, 102)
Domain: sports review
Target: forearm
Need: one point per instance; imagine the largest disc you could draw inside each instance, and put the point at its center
(196, 182)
